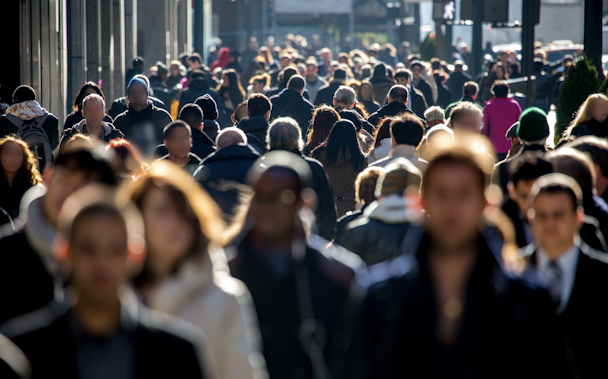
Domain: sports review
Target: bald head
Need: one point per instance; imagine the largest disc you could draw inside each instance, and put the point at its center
(230, 136)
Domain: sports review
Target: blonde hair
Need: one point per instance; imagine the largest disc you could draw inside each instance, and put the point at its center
(29, 164)
(585, 112)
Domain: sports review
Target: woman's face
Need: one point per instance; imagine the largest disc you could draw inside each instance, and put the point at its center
(168, 234)
(366, 92)
(500, 74)
(11, 158)
(225, 81)
(600, 110)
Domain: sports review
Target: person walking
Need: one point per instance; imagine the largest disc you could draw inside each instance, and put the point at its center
(255, 125)
(76, 116)
(498, 115)
(365, 96)
(323, 120)
(407, 134)
(343, 160)
(590, 118)
(142, 123)
(291, 103)
(397, 105)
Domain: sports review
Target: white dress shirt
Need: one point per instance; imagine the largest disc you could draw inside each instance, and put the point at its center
(567, 263)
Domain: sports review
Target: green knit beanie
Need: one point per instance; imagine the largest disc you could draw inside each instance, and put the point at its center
(533, 126)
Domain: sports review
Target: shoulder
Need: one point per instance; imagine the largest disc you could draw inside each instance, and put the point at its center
(161, 111)
(334, 258)
(599, 258)
(386, 275)
(34, 324)
(166, 328)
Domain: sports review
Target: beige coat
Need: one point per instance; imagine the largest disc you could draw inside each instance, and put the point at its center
(205, 294)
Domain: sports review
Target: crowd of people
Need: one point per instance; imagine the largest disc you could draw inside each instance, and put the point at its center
(280, 214)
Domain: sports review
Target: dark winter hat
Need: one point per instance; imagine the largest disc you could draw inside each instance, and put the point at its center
(400, 174)
(512, 132)
(380, 70)
(533, 126)
(137, 81)
(161, 68)
(208, 106)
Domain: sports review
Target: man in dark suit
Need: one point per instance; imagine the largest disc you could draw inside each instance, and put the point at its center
(445, 308)
(575, 275)
(102, 329)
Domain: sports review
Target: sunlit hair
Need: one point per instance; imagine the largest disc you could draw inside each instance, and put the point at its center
(585, 112)
(128, 159)
(29, 164)
(365, 185)
(383, 131)
(262, 78)
(460, 111)
(323, 121)
(190, 201)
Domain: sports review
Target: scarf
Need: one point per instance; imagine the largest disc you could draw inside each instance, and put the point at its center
(27, 110)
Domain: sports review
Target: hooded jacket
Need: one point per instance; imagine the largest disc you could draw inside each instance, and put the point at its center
(342, 175)
(199, 87)
(289, 103)
(19, 113)
(203, 293)
(120, 105)
(110, 132)
(377, 235)
(223, 174)
(256, 128)
(144, 128)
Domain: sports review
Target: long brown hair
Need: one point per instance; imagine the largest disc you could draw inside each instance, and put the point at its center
(383, 131)
(29, 164)
(190, 200)
(77, 106)
(323, 121)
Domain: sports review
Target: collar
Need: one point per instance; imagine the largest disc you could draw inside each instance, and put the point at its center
(567, 262)
(402, 150)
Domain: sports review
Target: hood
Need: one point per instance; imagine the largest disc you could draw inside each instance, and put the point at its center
(210, 125)
(223, 58)
(236, 151)
(390, 210)
(26, 110)
(201, 137)
(199, 84)
(107, 128)
(253, 124)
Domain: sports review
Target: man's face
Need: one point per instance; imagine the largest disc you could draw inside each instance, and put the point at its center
(519, 193)
(469, 122)
(98, 257)
(554, 221)
(257, 87)
(284, 62)
(64, 182)
(179, 143)
(311, 69)
(454, 201)
(138, 96)
(401, 80)
(275, 205)
(416, 72)
(93, 112)
(326, 56)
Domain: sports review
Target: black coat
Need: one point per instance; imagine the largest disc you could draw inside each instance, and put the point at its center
(381, 86)
(202, 146)
(211, 128)
(119, 106)
(256, 128)
(508, 328)
(390, 110)
(345, 220)
(25, 283)
(10, 196)
(325, 95)
(223, 175)
(76, 116)
(582, 322)
(193, 162)
(444, 96)
(143, 128)
(591, 128)
(325, 212)
(373, 240)
(290, 103)
(456, 83)
(277, 303)
(370, 106)
(419, 103)
(501, 167)
(425, 88)
(163, 347)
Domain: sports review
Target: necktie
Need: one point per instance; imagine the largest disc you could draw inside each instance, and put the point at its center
(555, 283)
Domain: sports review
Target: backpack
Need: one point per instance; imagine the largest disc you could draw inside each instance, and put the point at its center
(33, 134)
